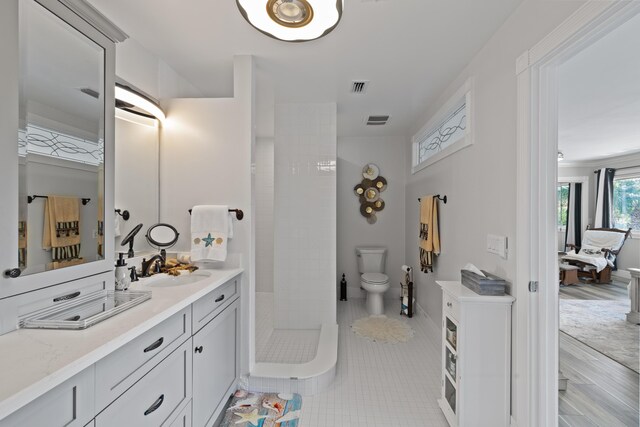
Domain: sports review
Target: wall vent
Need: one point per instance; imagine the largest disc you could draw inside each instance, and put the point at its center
(377, 120)
(359, 86)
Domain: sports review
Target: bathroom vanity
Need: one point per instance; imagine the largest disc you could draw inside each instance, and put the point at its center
(171, 358)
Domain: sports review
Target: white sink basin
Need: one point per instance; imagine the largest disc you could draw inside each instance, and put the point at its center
(164, 281)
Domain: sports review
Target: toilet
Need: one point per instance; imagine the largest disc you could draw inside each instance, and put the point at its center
(372, 278)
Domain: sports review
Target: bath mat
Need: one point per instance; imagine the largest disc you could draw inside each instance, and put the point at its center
(383, 329)
(602, 325)
(262, 410)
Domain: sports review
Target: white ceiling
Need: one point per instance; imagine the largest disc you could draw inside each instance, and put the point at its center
(599, 104)
(410, 50)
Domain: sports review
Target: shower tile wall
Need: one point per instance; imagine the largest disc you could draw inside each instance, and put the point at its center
(264, 214)
(305, 215)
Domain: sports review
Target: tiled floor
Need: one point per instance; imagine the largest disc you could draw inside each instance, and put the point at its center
(380, 385)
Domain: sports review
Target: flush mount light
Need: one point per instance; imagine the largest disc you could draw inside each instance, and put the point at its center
(129, 100)
(292, 20)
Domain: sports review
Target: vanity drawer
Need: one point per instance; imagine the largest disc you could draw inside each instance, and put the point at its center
(154, 399)
(121, 369)
(450, 306)
(208, 307)
(183, 419)
(69, 404)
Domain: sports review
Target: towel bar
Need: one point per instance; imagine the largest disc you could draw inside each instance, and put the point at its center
(437, 196)
(238, 212)
(30, 199)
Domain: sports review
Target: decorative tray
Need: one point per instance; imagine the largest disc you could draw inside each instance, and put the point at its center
(85, 311)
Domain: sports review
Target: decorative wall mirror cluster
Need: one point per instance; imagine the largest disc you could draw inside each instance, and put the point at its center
(61, 148)
(369, 192)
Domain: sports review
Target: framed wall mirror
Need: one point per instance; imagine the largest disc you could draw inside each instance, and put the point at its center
(61, 144)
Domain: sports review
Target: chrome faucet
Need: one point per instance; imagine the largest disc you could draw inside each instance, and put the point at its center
(154, 260)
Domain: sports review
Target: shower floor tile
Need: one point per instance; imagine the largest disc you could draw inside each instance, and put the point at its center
(289, 346)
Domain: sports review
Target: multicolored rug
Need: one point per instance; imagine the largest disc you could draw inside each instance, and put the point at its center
(263, 410)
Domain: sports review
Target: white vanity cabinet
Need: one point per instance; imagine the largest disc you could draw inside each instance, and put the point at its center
(152, 401)
(70, 404)
(476, 357)
(215, 364)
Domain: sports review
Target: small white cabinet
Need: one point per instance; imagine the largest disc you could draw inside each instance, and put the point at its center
(476, 357)
(215, 365)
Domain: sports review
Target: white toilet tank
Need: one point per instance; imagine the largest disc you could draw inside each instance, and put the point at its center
(371, 259)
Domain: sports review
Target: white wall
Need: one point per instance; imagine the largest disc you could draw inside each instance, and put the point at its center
(305, 215)
(264, 214)
(480, 180)
(353, 229)
(136, 182)
(147, 72)
(206, 153)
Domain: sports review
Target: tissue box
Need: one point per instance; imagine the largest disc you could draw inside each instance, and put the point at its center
(490, 285)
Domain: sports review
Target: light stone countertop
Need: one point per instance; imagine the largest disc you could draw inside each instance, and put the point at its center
(33, 361)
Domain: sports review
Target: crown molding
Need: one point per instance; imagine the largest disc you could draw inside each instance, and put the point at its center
(96, 19)
(619, 161)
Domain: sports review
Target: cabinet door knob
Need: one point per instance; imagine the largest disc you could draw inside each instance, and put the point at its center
(155, 405)
(12, 273)
(199, 349)
(449, 304)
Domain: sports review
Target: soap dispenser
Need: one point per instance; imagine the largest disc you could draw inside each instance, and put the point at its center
(122, 274)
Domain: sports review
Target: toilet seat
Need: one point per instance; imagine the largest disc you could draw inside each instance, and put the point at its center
(375, 278)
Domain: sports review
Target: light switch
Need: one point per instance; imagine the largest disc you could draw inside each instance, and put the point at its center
(497, 245)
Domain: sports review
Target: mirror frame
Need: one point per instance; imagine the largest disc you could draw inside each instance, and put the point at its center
(13, 286)
(158, 244)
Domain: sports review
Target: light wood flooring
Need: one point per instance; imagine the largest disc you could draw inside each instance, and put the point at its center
(600, 392)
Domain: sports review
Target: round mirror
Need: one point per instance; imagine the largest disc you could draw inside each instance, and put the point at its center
(162, 235)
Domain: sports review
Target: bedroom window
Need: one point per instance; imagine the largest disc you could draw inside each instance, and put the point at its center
(626, 203)
(563, 205)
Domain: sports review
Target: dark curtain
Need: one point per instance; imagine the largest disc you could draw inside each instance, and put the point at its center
(604, 198)
(573, 233)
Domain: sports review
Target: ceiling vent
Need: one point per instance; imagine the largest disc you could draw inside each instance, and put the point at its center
(359, 87)
(377, 120)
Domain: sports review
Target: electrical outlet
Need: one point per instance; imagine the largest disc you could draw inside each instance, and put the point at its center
(497, 245)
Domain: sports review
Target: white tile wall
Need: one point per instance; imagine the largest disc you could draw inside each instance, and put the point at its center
(305, 215)
(281, 345)
(264, 214)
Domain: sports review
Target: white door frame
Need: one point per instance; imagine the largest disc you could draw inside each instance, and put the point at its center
(536, 343)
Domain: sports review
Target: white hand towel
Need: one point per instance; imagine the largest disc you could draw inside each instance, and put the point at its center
(231, 216)
(116, 226)
(209, 233)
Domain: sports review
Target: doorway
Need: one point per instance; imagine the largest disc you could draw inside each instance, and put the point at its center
(538, 72)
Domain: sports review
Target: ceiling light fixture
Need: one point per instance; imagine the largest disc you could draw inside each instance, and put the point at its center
(129, 100)
(292, 20)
